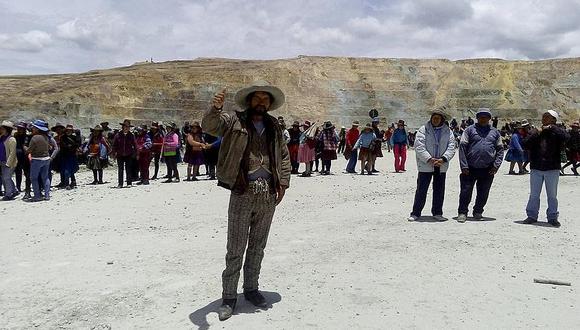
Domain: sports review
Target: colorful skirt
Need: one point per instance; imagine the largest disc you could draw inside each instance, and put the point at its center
(306, 154)
(194, 157)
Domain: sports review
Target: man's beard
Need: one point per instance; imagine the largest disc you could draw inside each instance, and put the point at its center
(258, 110)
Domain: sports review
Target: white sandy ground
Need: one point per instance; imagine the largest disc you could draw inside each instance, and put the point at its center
(341, 255)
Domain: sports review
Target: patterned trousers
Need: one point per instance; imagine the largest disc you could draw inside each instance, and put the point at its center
(249, 220)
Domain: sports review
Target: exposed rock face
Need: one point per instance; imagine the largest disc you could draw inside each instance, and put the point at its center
(317, 88)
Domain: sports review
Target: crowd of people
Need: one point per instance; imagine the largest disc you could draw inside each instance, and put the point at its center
(31, 152)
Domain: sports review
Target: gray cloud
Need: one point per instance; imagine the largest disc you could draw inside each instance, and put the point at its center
(69, 35)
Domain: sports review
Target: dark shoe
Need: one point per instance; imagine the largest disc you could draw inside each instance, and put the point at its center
(176, 180)
(167, 181)
(26, 196)
(213, 177)
(375, 171)
(227, 308)
(256, 298)
(555, 223)
(120, 186)
(34, 200)
(94, 183)
(70, 187)
(362, 173)
(530, 221)
(101, 182)
(7, 198)
(154, 177)
(305, 175)
(146, 183)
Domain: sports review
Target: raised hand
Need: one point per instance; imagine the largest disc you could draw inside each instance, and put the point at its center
(219, 99)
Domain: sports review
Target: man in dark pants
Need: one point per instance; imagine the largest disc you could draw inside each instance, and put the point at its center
(480, 156)
(125, 148)
(434, 148)
(254, 164)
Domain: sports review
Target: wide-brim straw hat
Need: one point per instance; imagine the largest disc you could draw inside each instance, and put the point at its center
(7, 123)
(278, 96)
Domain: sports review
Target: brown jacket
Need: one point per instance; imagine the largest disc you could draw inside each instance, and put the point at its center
(232, 127)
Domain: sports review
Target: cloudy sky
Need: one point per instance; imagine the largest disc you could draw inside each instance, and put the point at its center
(54, 36)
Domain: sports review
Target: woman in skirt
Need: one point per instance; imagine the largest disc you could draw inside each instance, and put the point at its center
(306, 151)
(329, 140)
(194, 151)
(516, 152)
(97, 154)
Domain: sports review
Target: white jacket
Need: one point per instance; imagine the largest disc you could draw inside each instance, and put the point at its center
(425, 145)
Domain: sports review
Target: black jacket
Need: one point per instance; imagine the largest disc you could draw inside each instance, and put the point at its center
(545, 148)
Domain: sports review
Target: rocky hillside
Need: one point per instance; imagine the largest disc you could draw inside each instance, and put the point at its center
(317, 88)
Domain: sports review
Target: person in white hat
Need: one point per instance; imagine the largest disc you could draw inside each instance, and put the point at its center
(8, 160)
(545, 145)
(254, 164)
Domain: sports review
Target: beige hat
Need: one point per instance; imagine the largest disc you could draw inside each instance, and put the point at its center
(261, 86)
(7, 123)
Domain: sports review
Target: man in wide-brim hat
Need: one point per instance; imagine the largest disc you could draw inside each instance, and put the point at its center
(255, 165)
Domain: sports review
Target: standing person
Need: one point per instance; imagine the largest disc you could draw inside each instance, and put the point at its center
(211, 153)
(469, 122)
(364, 143)
(68, 150)
(351, 137)
(255, 165)
(294, 146)
(157, 139)
(480, 156)
(376, 147)
(57, 163)
(329, 140)
(124, 149)
(388, 134)
(573, 148)
(434, 148)
(8, 160)
(144, 146)
(23, 166)
(98, 150)
(170, 153)
(39, 152)
(306, 151)
(194, 156)
(400, 143)
(516, 153)
(341, 140)
(495, 121)
(545, 145)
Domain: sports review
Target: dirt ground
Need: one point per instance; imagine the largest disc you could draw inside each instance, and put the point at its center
(341, 255)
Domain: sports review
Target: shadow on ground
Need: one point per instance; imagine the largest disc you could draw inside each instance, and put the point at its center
(199, 317)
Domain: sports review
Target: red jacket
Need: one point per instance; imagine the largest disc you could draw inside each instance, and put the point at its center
(352, 136)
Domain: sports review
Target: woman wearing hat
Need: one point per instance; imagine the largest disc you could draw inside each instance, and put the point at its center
(8, 160)
(69, 146)
(144, 145)
(400, 142)
(40, 158)
(98, 154)
(434, 148)
(516, 153)
(363, 143)
(307, 149)
(170, 150)
(329, 141)
(573, 148)
(194, 151)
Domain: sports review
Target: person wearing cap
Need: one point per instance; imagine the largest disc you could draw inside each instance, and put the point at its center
(144, 145)
(376, 146)
(125, 150)
(352, 136)
(434, 148)
(255, 165)
(400, 141)
(294, 146)
(68, 150)
(23, 166)
(39, 152)
(97, 150)
(157, 138)
(194, 156)
(307, 148)
(573, 148)
(8, 160)
(480, 156)
(328, 140)
(170, 153)
(364, 143)
(545, 145)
